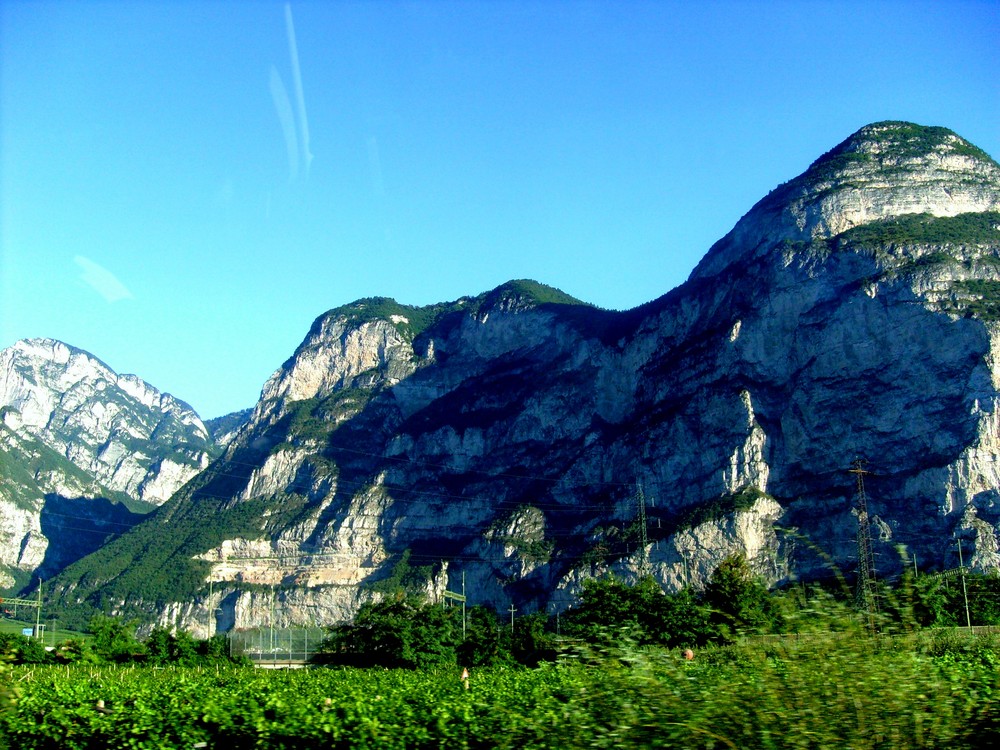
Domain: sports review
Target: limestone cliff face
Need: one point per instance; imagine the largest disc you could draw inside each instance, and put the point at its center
(517, 438)
(78, 440)
(107, 424)
(884, 170)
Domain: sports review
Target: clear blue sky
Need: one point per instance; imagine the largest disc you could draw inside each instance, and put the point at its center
(186, 185)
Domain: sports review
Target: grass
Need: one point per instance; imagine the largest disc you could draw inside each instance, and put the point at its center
(11, 625)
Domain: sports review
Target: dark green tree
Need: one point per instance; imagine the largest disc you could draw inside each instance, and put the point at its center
(532, 643)
(487, 642)
(114, 640)
(738, 601)
(678, 620)
(180, 648)
(610, 609)
(22, 649)
(400, 631)
(984, 599)
(606, 612)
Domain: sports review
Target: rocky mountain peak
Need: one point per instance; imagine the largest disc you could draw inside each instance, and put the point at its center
(521, 294)
(376, 341)
(107, 424)
(883, 171)
(520, 439)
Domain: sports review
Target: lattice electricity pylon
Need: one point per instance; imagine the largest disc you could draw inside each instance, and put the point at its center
(865, 593)
(640, 500)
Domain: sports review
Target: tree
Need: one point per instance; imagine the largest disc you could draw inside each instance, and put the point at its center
(607, 610)
(115, 640)
(738, 601)
(180, 647)
(400, 631)
(531, 643)
(682, 621)
(610, 609)
(24, 650)
(487, 642)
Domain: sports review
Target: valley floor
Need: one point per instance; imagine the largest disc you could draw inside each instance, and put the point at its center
(830, 692)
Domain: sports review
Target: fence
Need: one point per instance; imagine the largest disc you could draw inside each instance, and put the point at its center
(276, 645)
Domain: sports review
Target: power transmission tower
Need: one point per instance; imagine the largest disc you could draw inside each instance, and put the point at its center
(865, 594)
(643, 538)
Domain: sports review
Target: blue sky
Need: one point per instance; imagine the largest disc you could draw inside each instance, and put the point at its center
(185, 186)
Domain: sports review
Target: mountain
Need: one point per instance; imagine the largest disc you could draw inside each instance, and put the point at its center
(225, 428)
(84, 453)
(521, 440)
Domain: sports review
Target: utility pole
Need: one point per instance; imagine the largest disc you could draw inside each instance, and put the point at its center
(965, 593)
(270, 619)
(512, 611)
(643, 538)
(38, 612)
(866, 558)
(210, 612)
(458, 598)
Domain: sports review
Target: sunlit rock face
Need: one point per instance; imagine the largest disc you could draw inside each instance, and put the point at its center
(883, 171)
(513, 442)
(74, 431)
(130, 437)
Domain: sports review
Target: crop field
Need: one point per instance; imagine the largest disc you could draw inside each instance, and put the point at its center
(51, 637)
(823, 693)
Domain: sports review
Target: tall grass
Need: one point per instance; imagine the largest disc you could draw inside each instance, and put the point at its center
(833, 685)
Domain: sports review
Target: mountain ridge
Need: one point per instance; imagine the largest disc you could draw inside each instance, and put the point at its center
(510, 442)
(884, 169)
(84, 452)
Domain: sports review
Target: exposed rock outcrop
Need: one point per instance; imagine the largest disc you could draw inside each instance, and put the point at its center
(509, 437)
(78, 443)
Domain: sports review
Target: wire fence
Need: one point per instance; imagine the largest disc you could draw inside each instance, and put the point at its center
(277, 645)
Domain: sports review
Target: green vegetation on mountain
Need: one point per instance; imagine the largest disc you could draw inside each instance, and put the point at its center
(907, 140)
(413, 320)
(979, 297)
(220, 426)
(23, 459)
(887, 146)
(924, 229)
(313, 419)
(405, 578)
(724, 505)
(897, 141)
(155, 563)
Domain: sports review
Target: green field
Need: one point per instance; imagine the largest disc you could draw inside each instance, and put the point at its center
(51, 636)
(820, 692)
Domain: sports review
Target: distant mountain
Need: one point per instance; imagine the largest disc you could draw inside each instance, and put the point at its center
(224, 429)
(524, 441)
(84, 452)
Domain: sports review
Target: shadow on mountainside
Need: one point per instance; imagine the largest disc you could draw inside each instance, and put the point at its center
(77, 526)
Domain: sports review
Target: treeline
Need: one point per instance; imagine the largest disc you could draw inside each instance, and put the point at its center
(112, 641)
(406, 631)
